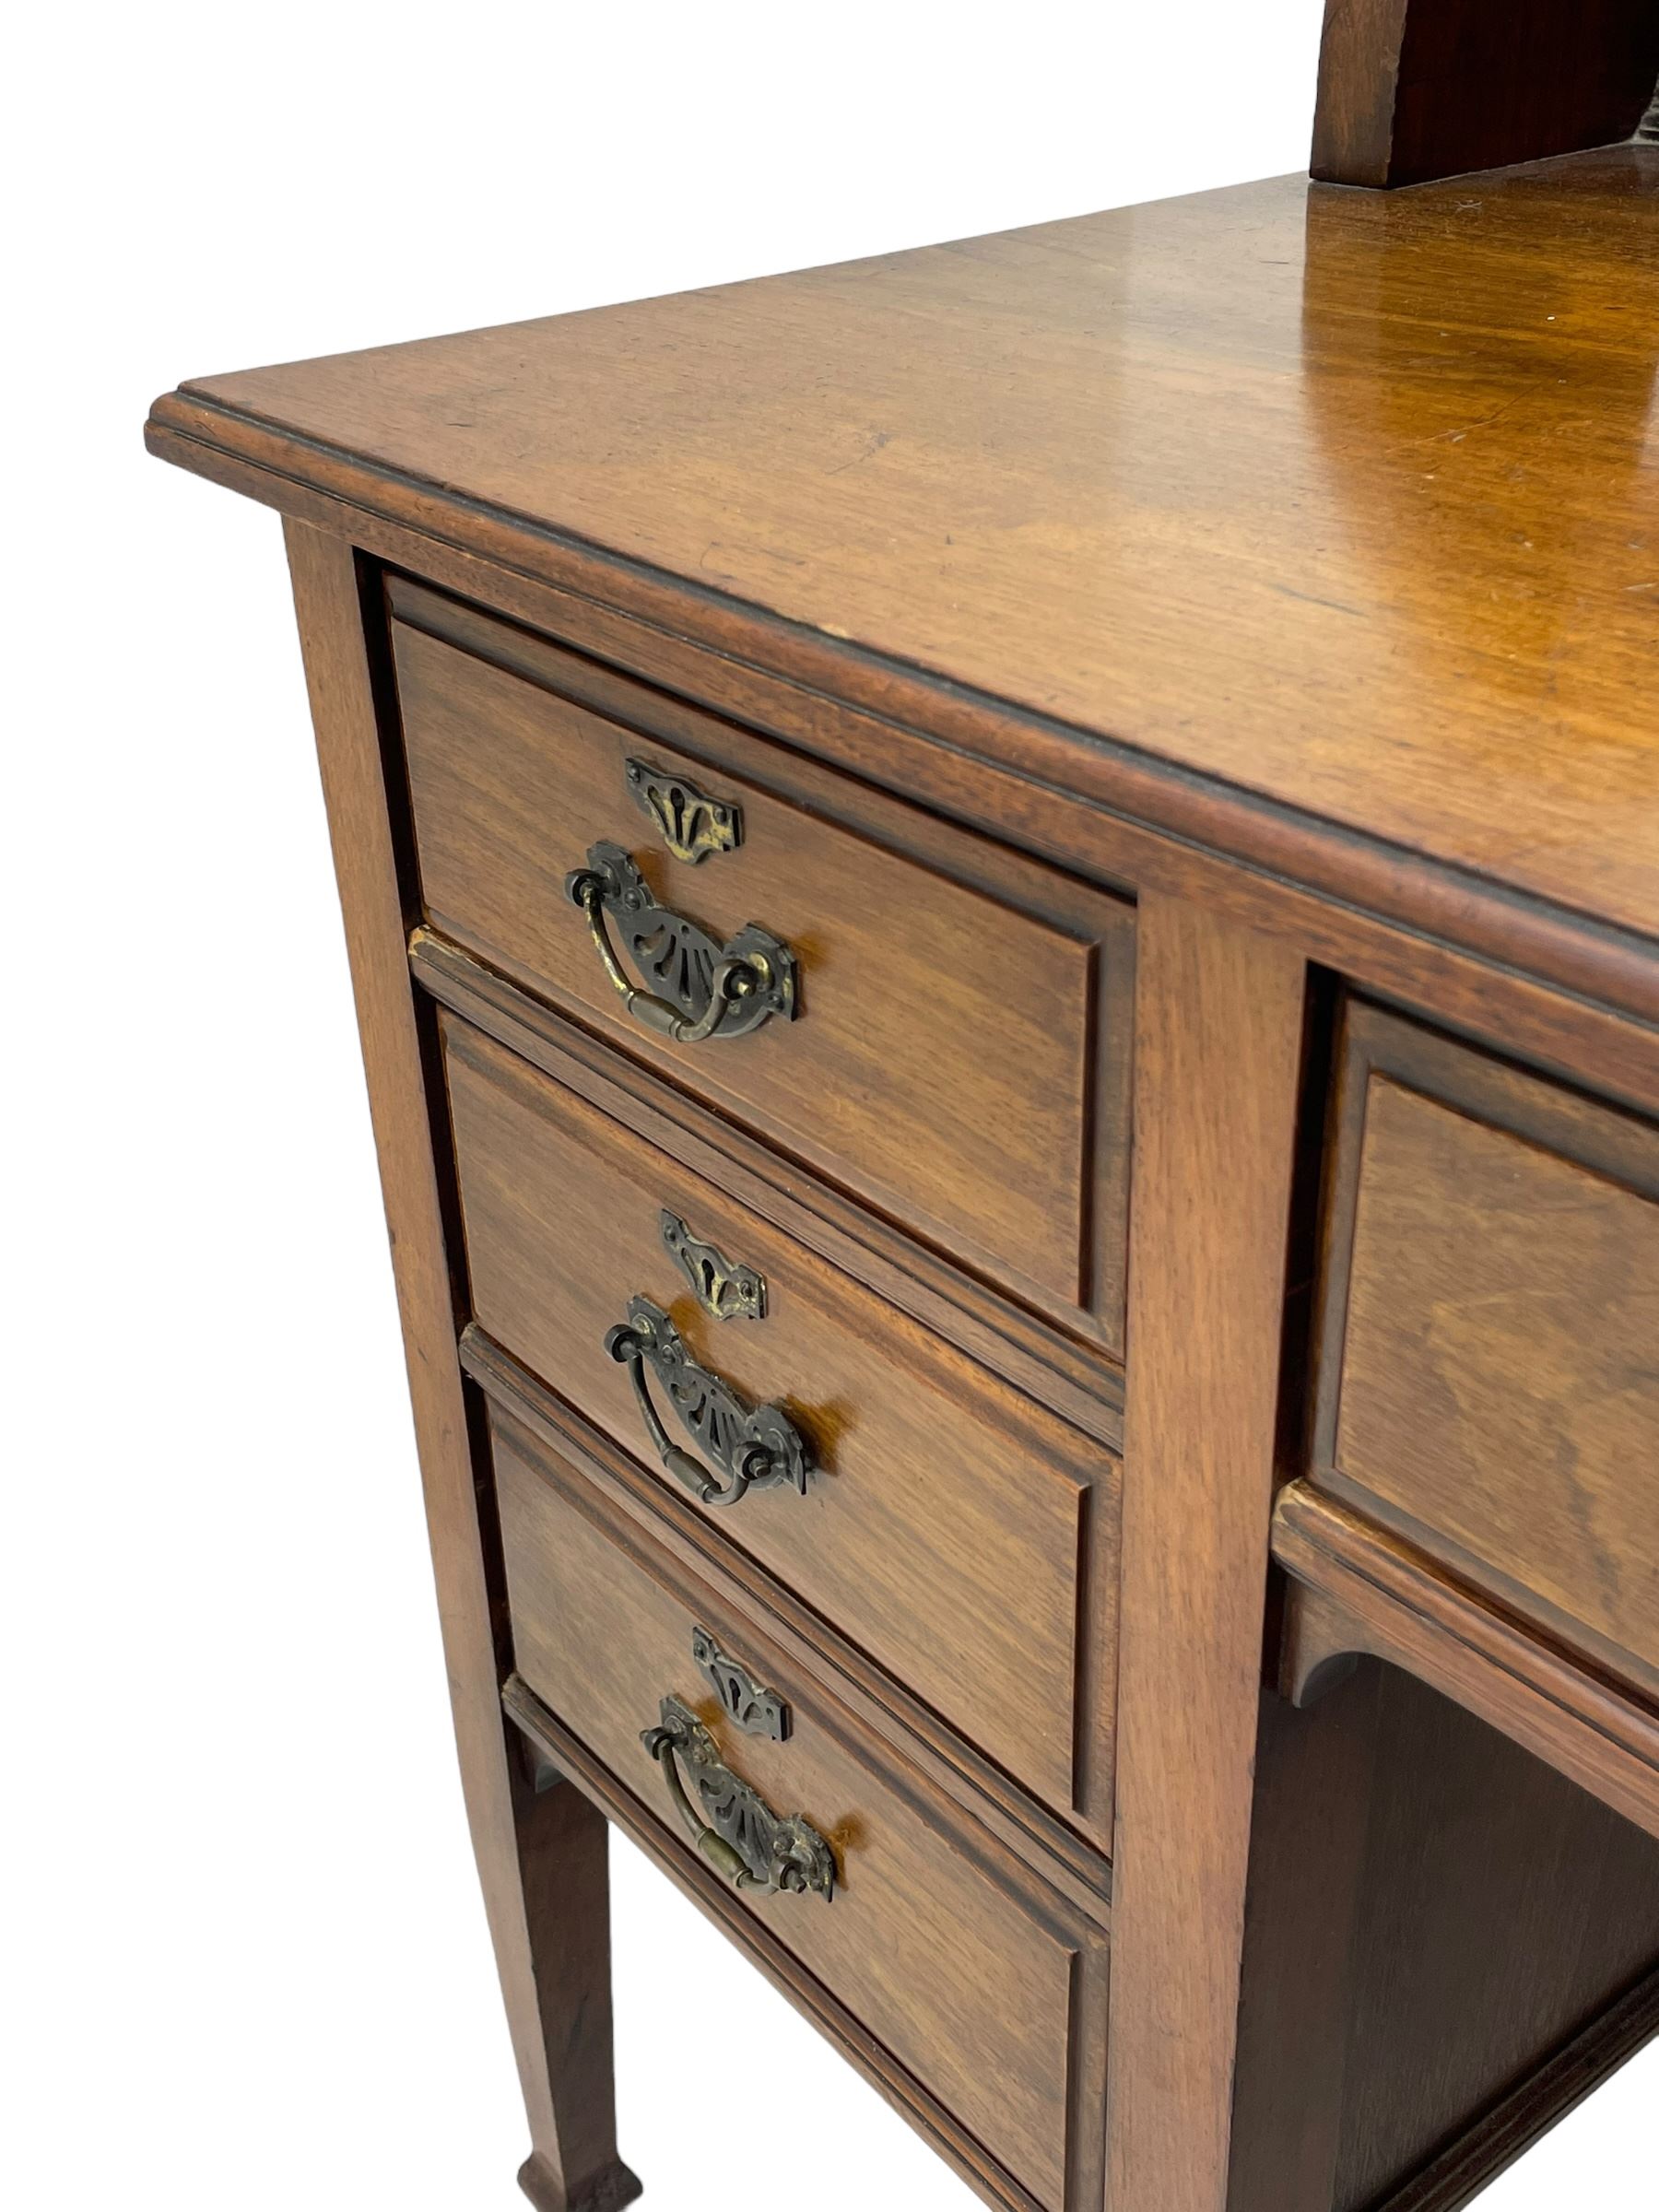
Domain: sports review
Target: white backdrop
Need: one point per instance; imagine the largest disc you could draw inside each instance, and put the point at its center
(246, 1964)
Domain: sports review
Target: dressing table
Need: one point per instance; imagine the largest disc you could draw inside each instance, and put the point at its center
(1004, 909)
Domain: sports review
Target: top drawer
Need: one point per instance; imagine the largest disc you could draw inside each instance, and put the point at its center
(1489, 1355)
(959, 1053)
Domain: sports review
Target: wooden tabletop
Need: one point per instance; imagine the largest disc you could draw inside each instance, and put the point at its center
(1350, 499)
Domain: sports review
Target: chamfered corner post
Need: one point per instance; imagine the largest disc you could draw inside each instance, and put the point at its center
(541, 1846)
(1219, 1053)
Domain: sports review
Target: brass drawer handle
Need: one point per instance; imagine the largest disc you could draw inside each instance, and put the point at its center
(753, 1447)
(737, 1831)
(708, 989)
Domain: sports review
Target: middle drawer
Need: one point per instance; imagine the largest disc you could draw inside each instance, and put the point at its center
(961, 1536)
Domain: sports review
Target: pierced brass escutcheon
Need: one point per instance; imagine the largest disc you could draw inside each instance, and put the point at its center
(753, 1447)
(727, 1289)
(746, 1704)
(703, 988)
(737, 1831)
(690, 822)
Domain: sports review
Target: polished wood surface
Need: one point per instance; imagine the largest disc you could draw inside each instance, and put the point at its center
(1539, 979)
(1142, 646)
(1501, 1913)
(1489, 1355)
(1356, 1589)
(1446, 1945)
(1526, 2111)
(922, 1940)
(961, 1054)
(951, 1524)
(1413, 90)
(1218, 1055)
(752, 1936)
(676, 1524)
(1344, 500)
(1310, 1884)
(997, 1332)
(543, 1868)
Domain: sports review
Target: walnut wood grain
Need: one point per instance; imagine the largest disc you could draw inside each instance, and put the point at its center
(1335, 499)
(1282, 558)
(678, 1527)
(1219, 1053)
(1558, 986)
(1356, 1589)
(1489, 1371)
(961, 1054)
(951, 1524)
(1309, 1893)
(551, 1740)
(542, 1861)
(1447, 1944)
(931, 1926)
(1052, 1366)
(1534, 2105)
(1414, 89)
(1502, 1911)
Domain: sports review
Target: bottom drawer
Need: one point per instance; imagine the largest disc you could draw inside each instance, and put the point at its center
(985, 1987)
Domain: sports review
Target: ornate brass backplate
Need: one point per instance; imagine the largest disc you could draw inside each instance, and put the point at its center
(753, 1447)
(749, 1706)
(699, 987)
(726, 1289)
(690, 823)
(737, 1832)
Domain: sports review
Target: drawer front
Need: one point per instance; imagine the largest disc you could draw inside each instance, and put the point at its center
(1489, 1358)
(955, 1960)
(960, 1052)
(961, 1537)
